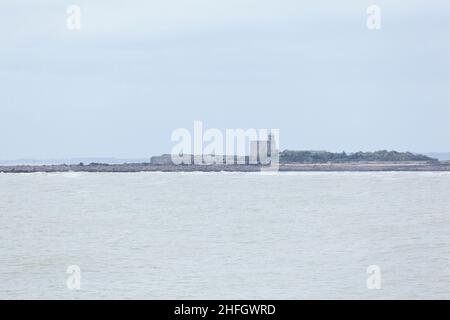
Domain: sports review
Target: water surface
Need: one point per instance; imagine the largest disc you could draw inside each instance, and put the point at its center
(225, 235)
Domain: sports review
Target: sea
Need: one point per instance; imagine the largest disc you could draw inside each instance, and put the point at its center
(160, 235)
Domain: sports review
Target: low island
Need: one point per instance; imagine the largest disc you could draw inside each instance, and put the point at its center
(288, 161)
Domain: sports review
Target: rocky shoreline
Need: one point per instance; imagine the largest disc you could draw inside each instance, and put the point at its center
(302, 167)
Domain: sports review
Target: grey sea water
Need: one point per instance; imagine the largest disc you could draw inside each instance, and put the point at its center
(225, 235)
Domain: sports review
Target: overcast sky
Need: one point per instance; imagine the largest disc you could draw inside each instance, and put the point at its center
(137, 70)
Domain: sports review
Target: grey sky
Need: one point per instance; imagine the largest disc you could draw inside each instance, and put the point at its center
(139, 69)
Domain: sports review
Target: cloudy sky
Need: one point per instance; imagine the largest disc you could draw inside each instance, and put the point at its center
(139, 69)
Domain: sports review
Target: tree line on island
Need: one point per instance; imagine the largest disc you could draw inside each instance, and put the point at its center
(291, 156)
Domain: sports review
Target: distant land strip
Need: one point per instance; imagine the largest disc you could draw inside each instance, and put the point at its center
(289, 161)
(148, 167)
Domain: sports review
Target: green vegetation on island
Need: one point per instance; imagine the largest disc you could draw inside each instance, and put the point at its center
(290, 156)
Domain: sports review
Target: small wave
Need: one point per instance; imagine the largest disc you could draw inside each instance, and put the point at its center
(71, 174)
